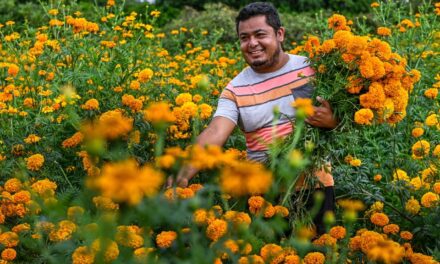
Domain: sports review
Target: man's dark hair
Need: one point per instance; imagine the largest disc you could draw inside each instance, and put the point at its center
(257, 9)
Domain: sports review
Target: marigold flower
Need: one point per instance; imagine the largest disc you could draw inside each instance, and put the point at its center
(379, 219)
(244, 178)
(216, 229)
(431, 120)
(83, 255)
(158, 113)
(355, 162)
(436, 187)
(272, 253)
(165, 239)
(112, 124)
(314, 258)
(417, 132)
(145, 75)
(91, 104)
(431, 93)
(9, 239)
(400, 175)
(338, 22)
(406, 235)
(32, 138)
(22, 197)
(391, 229)
(429, 199)
(412, 206)
(384, 31)
(386, 251)
(110, 252)
(304, 105)
(13, 185)
(125, 182)
(338, 232)
(45, 188)
(183, 98)
(238, 218)
(35, 162)
(254, 259)
(421, 148)
(325, 240)
(364, 116)
(419, 257)
(205, 111)
(377, 177)
(129, 236)
(9, 254)
(375, 4)
(13, 70)
(281, 210)
(73, 141)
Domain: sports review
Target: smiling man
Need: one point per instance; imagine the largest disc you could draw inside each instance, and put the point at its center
(273, 80)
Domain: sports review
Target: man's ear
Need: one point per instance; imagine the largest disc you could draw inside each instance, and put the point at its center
(280, 34)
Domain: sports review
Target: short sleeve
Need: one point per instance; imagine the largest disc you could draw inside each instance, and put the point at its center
(227, 108)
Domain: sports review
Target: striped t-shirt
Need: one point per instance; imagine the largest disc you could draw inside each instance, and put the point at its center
(249, 100)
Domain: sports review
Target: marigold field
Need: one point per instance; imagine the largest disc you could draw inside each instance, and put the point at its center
(96, 114)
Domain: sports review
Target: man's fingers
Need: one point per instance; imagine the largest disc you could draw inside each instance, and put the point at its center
(323, 102)
(182, 182)
(169, 182)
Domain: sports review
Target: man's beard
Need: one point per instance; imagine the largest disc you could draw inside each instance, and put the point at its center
(256, 65)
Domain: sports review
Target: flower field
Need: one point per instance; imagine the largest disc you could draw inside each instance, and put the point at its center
(97, 113)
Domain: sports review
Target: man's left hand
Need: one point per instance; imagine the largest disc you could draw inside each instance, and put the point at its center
(323, 115)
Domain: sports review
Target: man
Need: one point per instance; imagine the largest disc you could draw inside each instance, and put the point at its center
(274, 79)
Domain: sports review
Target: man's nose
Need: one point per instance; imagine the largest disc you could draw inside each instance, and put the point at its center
(253, 42)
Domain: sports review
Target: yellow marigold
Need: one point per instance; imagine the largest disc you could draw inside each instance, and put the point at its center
(406, 235)
(391, 229)
(135, 85)
(412, 206)
(375, 4)
(364, 116)
(431, 93)
(32, 138)
(35, 162)
(314, 258)
(243, 178)
(355, 162)
(44, 188)
(158, 113)
(338, 22)
(145, 75)
(379, 219)
(304, 105)
(431, 120)
(436, 151)
(9, 239)
(165, 239)
(216, 229)
(429, 199)
(142, 253)
(400, 175)
(383, 31)
(338, 232)
(9, 254)
(272, 253)
(73, 141)
(205, 111)
(183, 98)
(83, 255)
(417, 132)
(108, 248)
(421, 148)
(63, 232)
(13, 185)
(113, 124)
(125, 182)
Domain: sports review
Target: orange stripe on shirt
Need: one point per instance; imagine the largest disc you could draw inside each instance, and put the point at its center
(260, 139)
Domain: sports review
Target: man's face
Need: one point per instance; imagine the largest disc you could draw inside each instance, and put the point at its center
(260, 44)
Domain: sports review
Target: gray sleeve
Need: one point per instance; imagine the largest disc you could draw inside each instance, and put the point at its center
(227, 108)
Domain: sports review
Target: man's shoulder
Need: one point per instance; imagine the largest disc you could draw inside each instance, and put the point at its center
(298, 61)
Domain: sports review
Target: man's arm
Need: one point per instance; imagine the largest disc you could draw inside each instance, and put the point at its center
(217, 132)
(323, 116)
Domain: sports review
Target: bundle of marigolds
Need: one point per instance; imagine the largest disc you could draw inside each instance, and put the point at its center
(360, 75)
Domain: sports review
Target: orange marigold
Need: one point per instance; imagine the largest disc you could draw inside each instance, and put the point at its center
(417, 132)
(35, 162)
(429, 199)
(384, 31)
(9, 254)
(13, 185)
(338, 232)
(314, 258)
(91, 104)
(364, 116)
(391, 229)
(165, 239)
(83, 255)
(379, 219)
(216, 229)
(406, 235)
